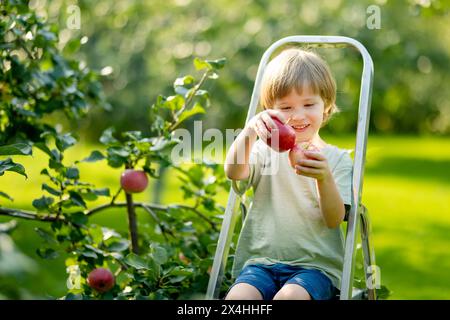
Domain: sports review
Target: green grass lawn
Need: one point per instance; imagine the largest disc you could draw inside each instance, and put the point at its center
(406, 189)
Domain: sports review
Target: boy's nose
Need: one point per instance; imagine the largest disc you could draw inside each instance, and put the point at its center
(298, 115)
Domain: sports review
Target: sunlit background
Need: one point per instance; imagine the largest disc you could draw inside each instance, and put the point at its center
(142, 46)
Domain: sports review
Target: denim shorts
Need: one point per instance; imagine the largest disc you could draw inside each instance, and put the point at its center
(269, 279)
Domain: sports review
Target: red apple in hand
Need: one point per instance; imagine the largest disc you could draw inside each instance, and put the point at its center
(286, 136)
(101, 280)
(297, 153)
(133, 181)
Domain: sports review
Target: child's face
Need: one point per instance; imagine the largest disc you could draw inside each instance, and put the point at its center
(302, 110)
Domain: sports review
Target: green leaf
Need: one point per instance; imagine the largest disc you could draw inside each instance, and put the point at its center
(208, 203)
(101, 192)
(47, 253)
(95, 156)
(56, 165)
(56, 155)
(188, 227)
(203, 98)
(96, 233)
(109, 233)
(136, 261)
(132, 135)
(4, 195)
(51, 190)
(116, 255)
(154, 271)
(73, 296)
(150, 171)
(94, 249)
(47, 236)
(77, 199)
(163, 145)
(16, 149)
(182, 85)
(184, 81)
(115, 161)
(175, 102)
(9, 165)
(79, 218)
(89, 195)
(119, 246)
(209, 64)
(88, 254)
(73, 173)
(53, 179)
(200, 64)
(180, 271)
(217, 64)
(202, 93)
(43, 203)
(118, 151)
(213, 75)
(107, 136)
(176, 279)
(47, 35)
(65, 141)
(383, 293)
(158, 253)
(196, 109)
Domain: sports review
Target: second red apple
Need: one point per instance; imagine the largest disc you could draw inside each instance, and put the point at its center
(297, 153)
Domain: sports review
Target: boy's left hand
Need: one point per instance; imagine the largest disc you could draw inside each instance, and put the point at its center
(316, 166)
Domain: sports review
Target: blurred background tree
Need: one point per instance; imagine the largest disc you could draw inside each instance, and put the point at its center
(142, 45)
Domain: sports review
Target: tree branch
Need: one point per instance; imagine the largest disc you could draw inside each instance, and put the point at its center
(132, 224)
(30, 215)
(188, 100)
(201, 215)
(158, 221)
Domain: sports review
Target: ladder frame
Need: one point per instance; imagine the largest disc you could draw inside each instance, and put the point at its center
(358, 215)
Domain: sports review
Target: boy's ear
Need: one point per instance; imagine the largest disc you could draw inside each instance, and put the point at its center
(327, 110)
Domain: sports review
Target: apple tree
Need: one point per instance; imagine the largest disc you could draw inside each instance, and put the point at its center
(170, 262)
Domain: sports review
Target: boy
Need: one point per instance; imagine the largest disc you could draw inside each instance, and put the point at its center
(291, 245)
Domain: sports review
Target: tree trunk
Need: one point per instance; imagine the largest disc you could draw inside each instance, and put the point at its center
(132, 224)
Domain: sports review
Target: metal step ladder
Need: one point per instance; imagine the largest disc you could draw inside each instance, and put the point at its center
(357, 217)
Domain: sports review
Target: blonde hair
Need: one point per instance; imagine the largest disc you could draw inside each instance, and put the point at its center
(295, 68)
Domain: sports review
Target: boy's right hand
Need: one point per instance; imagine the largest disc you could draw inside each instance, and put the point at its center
(262, 123)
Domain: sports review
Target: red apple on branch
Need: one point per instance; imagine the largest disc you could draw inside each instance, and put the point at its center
(286, 136)
(101, 280)
(133, 181)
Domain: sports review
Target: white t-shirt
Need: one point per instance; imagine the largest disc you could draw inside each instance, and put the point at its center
(284, 223)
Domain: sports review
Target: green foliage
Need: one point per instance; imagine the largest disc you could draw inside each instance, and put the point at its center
(36, 80)
(13, 264)
(156, 273)
(41, 82)
(151, 42)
